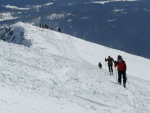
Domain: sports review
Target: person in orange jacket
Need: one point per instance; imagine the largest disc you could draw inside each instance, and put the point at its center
(121, 65)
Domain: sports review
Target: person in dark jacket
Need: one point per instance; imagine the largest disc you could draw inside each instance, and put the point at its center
(121, 65)
(59, 30)
(110, 64)
(100, 65)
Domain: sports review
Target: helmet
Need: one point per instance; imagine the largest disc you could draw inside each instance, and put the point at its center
(119, 57)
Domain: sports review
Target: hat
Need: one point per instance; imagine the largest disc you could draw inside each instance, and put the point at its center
(119, 57)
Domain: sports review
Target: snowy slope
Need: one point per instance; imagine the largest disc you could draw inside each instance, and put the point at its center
(58, 73)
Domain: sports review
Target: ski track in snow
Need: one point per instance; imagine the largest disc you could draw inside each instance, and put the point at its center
(52, 75)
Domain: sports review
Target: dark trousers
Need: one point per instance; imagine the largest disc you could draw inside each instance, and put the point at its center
(110, 68)
(120, 73)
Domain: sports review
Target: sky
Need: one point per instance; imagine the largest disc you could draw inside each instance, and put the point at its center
(50, 72)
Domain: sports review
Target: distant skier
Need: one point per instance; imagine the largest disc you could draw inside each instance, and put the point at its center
(46, 26)
(59, 30)
(110, 64)
(100, 65)
(121, 64)
(40, 25)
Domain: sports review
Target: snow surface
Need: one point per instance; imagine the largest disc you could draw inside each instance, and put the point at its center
(35, 6)
(58, 73)
(14, 7)
(48, 4)
(6, 16)
(108, 1)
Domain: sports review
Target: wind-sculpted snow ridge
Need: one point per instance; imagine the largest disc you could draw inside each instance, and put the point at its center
(15, 34)
(58, 73)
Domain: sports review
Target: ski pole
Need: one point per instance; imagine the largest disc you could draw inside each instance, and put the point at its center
(116, 74)
(128, 81)
(105, 68)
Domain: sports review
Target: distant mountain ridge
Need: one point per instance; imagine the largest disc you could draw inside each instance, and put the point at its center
(122, 25)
